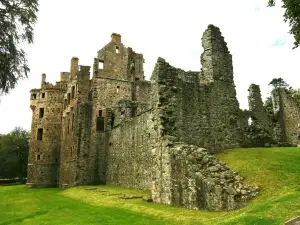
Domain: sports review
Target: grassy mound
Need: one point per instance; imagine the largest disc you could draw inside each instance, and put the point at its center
(277, 170)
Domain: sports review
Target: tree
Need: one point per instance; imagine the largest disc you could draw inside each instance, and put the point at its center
(292, 16)
(17, 18)
(14, 148)
(280, 83)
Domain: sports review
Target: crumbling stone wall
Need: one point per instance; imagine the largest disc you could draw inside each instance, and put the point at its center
(186, 175)
(258, 113)
(218, 86)
(288, 114)
(198, 180)
(201, 107)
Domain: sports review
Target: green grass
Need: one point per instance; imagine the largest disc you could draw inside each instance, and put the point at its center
(277, 170)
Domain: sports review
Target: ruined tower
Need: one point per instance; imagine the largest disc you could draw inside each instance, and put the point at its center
(43, 162)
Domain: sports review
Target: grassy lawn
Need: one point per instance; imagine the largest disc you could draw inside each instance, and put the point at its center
(277, 170)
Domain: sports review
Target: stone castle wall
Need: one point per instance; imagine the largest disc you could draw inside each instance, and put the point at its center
(288, 114)
(43, 161)
(129, 158)
(117, 128)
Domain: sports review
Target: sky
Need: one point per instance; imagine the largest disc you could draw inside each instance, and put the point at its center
(256, 36)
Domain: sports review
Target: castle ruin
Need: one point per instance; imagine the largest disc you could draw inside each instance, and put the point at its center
(118, 128)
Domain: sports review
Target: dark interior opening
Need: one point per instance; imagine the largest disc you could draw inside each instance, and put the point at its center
(40, 134)
(73, 92)
(41, 112)
(100, 124)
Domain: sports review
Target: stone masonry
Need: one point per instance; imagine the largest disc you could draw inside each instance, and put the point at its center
(115, 127)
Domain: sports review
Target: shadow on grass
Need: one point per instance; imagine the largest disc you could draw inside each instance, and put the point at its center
(19, 220)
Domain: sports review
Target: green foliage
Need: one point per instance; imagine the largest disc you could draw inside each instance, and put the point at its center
(295, 94)
(17, 18)
(14, 148)
(256, 136)
(280, 83)
(292, 16)
(268, 105)
(276, 170)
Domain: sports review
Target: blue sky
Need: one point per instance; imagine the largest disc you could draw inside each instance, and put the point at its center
(256, 35)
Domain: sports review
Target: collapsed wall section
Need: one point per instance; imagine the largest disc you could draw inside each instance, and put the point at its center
(184, 174)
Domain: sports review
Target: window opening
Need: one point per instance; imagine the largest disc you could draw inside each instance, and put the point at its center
(101, 64)
(40, 134)
(33, 97)
(118, 87)
(117, 50)
(100, 124)
(43, 95)
(38, 157)
(41, 112)
(250, 121)
(100, 113)
(73, 92)
(68, 98)
(66, 102)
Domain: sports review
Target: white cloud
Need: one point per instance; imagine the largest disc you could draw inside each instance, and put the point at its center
(171, 29)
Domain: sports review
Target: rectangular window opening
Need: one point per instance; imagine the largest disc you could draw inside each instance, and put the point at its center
(43, 95)
(100, 113)
(118, 88)
(69, 98)
(40, 134)
(38, 157)
(33, 97)
(117, 50)
(41, 112)
(101, 64)
(73, 92)
(73, 118)
(100, 124)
